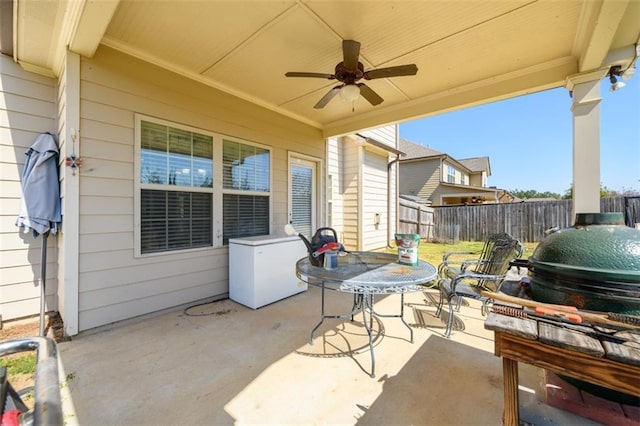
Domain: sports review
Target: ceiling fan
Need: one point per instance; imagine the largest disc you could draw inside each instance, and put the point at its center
(349, 71)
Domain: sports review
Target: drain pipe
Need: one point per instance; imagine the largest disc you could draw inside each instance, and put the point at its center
(397, 202)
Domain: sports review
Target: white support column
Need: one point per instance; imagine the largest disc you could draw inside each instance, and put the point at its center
(586, 141)
(70, 114)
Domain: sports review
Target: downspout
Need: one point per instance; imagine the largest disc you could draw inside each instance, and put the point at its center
(359, 209)
(397, 201)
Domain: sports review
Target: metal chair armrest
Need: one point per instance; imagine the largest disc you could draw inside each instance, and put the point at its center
(48, 406)
(457, 263)
(473, 276)
(448, 254)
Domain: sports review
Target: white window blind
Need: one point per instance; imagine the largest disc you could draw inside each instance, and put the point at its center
(246, 190)
(176, 196)
(176, 188)
(174, 220)
(245, 216)
(301, 199)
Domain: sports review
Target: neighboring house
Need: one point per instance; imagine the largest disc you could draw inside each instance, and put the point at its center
(542, 199)
(442, 180)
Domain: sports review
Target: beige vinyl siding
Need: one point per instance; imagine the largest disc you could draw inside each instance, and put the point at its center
(27, 108)
(393, 202)
(61, 92)
(374, 200)
(350, 188)
(360, 188)
(384, 134)
(114, 284)
(479, 179)
(334, 169)
(420, 178)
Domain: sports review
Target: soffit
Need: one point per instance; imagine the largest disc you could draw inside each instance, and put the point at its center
(476, 52)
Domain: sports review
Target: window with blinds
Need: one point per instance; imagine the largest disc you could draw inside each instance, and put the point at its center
(246, 186)
(244, 216)
(175, 220)
(302, 199)
(176, 188)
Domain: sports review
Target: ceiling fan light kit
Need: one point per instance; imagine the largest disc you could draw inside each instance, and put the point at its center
(349, 92)
(349, 71)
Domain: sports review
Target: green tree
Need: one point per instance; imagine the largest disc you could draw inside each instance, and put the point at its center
(604, 192)
(532, 193)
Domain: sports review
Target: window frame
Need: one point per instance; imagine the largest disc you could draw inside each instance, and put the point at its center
(233, 191)
(451, 174)
(217, 190)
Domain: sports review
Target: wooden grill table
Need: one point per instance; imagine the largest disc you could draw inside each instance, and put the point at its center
(562, 350)
(365, 275)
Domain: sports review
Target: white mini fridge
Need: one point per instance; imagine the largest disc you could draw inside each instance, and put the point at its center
(262, 269)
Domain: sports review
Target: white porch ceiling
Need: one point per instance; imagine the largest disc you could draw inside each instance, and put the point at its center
(467, 52)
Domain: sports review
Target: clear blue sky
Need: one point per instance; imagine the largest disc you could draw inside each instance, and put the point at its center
(529, 139)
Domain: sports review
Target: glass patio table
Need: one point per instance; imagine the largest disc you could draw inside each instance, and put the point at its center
(366, 275)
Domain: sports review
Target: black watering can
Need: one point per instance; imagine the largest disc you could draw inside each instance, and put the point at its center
(325, 239)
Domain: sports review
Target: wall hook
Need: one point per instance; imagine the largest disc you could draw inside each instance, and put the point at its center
(73, 161)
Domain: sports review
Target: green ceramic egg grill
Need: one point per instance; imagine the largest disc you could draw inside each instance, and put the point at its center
(595, 265)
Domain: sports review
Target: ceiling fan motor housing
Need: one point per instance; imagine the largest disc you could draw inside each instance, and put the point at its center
(348, 76)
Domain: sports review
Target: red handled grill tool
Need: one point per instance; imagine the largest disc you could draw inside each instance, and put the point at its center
(610, 319)
(570, 322)
(566, 316)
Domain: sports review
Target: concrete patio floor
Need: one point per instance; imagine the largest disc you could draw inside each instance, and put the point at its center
(223, 363)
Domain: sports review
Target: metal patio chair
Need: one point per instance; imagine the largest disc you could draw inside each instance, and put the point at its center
(469, 279)
(455, 262)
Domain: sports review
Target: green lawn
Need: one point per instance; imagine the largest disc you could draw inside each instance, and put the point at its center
(432, 252)
(25, 364)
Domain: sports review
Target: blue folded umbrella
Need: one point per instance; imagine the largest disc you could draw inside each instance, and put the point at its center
(40, 207)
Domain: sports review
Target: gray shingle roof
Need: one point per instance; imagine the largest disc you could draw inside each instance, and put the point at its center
(414, 150)
(475, 164)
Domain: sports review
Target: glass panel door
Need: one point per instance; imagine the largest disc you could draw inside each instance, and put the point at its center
(302, 195)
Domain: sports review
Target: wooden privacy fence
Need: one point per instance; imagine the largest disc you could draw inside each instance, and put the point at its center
(525, 221)
(415, 218)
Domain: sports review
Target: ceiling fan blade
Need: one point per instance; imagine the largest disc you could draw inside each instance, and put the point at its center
(350, 53)
(326, 98)
(368, 93)
(398, 71)
(310, 74)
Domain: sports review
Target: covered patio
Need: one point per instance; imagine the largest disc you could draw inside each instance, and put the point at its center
(223, 363)
(102, 75)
